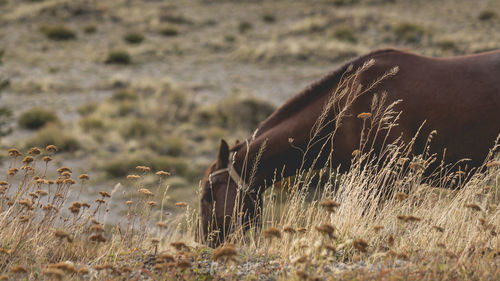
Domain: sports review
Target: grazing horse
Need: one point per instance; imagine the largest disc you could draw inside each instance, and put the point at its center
(459, 97)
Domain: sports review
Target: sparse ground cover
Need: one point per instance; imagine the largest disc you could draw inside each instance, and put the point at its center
(120, 84)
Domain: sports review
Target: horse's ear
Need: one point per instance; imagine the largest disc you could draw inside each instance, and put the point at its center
(223, 156)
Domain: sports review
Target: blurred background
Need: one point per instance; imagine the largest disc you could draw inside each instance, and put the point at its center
(119, 83)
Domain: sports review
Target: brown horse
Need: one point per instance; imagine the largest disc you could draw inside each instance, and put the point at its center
(458, 97)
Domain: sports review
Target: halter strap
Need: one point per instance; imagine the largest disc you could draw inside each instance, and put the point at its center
(232, 174)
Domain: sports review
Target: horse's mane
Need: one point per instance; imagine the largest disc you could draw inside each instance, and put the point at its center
(308, 95)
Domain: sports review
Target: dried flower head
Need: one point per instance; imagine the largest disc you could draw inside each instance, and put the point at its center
(83, 177)
(18, 269)
(356, 152)
(83, 271)
(12, 171)
(326, 229)
(179, 246)
(133, 177)
(302, 230)
(474, 207)
(143, 168)
(272, 232)
(183, 264)
(104, 194)
(34, 151)
(438, 228)
(166, 257)
(329, 205)
(377, 228)
(100, 201)
(331, 248)
(162, 173)
(28, 159)
(51, 148)
(181, 204)
(145, 191)
(161, 224)
(400, 196)
(97, 238)
(46, 159)
(364, 115)
(2, 183)
(151, 203)
(53, 273)
(288, 229)
(360, 245)
(129, 202)
(227, 252)
(302, 274)
(61, 234)
(64, 169)
(97, 228)
(14, 152)
(66, 174)
(492, 164)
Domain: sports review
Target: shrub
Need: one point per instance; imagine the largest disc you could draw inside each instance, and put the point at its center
(54, 134)
(5, 118)
(169, 30)
(87, 108)
(118, 57)
(36, 118)
(345, 33)
(90, 29)
(133, 38)
(91, 123)
(268, 18)
(58, 33)
(235, 112)
(138, 129)
(487, 15)
(123, 166)
(409, 32)
(244, 26)
(124, 94)
(446, 45)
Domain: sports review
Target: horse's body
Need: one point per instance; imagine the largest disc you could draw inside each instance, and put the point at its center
(458, 97)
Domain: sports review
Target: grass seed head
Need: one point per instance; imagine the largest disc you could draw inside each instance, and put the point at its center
(377, 228)
(492, 164)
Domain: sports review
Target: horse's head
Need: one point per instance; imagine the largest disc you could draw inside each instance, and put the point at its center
(224, 196)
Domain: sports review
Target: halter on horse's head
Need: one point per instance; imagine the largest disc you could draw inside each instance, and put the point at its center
(227, 202)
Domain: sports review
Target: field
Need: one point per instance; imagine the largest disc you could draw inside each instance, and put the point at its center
(110, 112)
